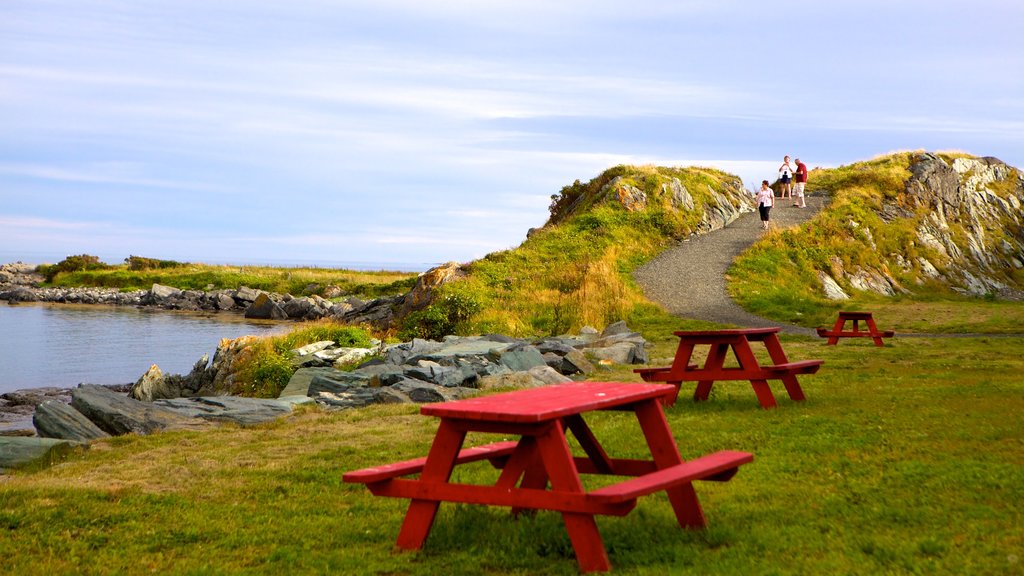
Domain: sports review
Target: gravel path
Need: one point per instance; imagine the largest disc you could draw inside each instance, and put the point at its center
(689, 278)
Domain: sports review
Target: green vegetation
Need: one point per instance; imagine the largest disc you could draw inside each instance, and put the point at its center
(139, 273)
(576, 270)
(905, 459)
(778, 276)
(265, 368)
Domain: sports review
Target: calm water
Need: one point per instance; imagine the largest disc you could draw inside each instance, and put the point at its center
(65, 345)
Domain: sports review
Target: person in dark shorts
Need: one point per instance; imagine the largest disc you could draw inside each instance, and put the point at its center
(786, 176)
(765, 198)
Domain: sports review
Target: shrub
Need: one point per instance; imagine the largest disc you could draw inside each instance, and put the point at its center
(450, 312)
(77, 263)
(141, 263)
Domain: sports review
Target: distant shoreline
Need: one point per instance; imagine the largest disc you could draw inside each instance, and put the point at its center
(37, 258)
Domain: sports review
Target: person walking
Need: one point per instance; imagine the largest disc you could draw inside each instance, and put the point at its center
(800, 176)
(786, 176)
(765, 198)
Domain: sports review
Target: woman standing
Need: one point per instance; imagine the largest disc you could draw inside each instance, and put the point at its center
(786, 176)
(765, 198)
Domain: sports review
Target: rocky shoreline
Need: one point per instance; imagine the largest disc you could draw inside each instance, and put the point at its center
(41, 425)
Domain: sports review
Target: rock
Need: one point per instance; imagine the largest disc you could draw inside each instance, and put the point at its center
(616, 328)
(521, 358)
(833, 291)
(313, 348)
(160, 292)
(246, 294)
(234, 409)
(547, 375)
(21, 451)
(222, 301)
(619, 353)
(509, 380)
(298, 385)
(422, 293)
(263, 308)
(55, 419)
(574, 362)
(337, 382)
(118, 414)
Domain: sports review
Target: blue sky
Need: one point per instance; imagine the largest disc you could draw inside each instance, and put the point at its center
(417, 132)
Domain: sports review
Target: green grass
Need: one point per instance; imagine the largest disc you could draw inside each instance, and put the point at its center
(296, 281)
(906, 459)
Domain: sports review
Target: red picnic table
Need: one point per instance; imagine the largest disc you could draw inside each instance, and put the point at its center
(542, 457)
(838, 332)
(714, 369)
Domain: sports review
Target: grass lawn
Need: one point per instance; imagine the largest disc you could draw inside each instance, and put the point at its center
(906, 459)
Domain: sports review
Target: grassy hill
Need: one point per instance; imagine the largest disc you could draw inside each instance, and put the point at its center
(914, 234)
(575, 270)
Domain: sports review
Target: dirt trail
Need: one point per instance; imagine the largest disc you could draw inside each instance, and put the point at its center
(689, 278)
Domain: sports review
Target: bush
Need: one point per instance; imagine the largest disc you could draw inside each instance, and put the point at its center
(448, 314)
(140, 263)
(79, 263)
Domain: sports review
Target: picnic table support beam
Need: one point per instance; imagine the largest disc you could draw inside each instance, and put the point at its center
(419, 518)
(665, 453)
(582, 528)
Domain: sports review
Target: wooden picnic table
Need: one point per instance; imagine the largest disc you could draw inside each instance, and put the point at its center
(719, 343)
(867, 318)
(539, 470)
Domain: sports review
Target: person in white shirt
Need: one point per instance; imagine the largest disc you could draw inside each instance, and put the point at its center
(786, 176)
(765, 198)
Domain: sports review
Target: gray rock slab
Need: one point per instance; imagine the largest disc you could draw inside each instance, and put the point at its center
(298, 385)
(521, 359)
(21, 451)
(117, 414)
(55, 419)
(236, 409)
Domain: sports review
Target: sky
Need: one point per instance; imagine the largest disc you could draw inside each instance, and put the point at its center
(406, 133)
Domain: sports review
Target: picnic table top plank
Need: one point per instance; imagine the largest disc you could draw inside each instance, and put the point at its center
(549, 403)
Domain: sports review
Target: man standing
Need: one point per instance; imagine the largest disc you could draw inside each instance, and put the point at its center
(800, 176)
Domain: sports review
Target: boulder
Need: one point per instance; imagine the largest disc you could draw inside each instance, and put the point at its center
(234, 409)
(55, 419)
(298, 385)
(422, 294)
(263, 308)
(118, 414)
(521, 358)
(160, 292)
(547, 375)
(246, 294)
(21, 451)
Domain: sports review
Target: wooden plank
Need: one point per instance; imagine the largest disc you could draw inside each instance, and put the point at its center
(798, 367)
(527, 498)
(714, 464)
(547, 403)
(415, 466)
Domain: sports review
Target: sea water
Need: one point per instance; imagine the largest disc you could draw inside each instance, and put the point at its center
(65, 345)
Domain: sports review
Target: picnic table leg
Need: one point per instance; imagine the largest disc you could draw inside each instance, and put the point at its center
(419, 518)
(875, 334)
(582, 529)
(663, 449)
(836, 329)
(715, 361)
(679, 363)
(524, 463)
(745, 356)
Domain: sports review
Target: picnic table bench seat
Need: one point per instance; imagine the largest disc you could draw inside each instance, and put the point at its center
(496, 453)
(826, 333)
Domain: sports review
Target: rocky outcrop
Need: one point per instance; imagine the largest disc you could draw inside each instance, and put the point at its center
(968, 227)
(430, 371)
